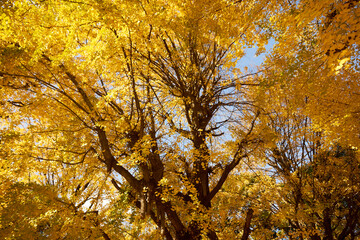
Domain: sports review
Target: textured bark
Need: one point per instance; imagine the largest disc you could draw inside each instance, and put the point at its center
(327, 224)
(247, 229)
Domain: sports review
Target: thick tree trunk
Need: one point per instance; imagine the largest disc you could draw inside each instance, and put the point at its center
(327, 224)
(247, 229)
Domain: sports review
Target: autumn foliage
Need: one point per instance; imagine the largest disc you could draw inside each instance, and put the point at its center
(125, 119)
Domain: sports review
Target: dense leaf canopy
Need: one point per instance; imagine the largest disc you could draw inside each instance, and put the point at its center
(125, 119)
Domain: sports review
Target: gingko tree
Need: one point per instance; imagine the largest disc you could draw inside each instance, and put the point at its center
(317, 181)
(317, 63)
(137, 118)
(113, 98)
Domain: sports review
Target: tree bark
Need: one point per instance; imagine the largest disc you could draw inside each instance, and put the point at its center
(327, 224)
(247, 229)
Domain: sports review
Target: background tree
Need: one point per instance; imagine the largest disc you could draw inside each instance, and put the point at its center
(316, 178)
(317, 63)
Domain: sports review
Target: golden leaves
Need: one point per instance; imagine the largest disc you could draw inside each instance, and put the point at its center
(145, 88)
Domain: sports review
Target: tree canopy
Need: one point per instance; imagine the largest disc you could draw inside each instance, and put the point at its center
(125, 119)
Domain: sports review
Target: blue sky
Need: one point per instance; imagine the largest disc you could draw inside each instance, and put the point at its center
(250, 60)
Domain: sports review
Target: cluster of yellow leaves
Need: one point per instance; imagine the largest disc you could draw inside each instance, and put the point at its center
(316, 64)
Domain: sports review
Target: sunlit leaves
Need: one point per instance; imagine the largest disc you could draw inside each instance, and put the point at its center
(134, 118)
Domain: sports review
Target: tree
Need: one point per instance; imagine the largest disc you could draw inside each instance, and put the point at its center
(136, 113)
(32, 211)
(317, 63)
(130, 93)
(318, 182)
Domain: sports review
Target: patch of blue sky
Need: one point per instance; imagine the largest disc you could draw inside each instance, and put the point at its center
(251, 60)
(249, 63)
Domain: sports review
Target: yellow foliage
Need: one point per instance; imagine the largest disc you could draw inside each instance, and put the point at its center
(134, 119)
